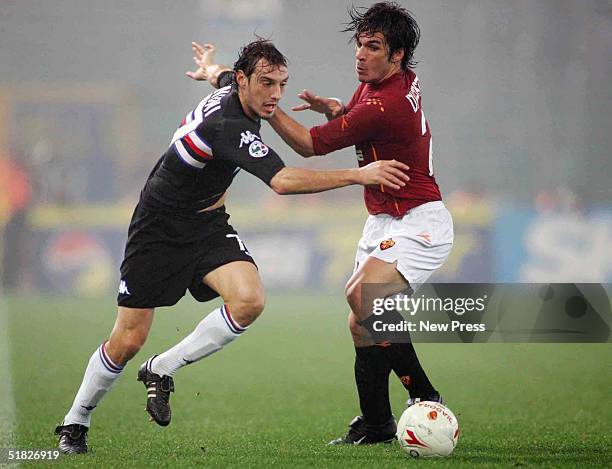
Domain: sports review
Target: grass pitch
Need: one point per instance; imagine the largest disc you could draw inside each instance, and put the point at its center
(277, 395)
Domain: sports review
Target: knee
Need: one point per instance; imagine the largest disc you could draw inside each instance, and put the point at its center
(353, 324)
(247, 305)
(132, 344)
(124, 347)
(360, 335)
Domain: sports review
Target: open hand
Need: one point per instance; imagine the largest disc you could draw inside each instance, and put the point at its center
(203, 56)
(331, 107)
(389, 173)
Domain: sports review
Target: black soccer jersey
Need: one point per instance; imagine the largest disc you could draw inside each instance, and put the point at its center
(211, 145)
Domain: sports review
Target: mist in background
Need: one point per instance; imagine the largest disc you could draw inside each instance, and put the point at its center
(517, 94)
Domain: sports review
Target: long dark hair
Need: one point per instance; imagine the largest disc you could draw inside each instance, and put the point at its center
(395, 23)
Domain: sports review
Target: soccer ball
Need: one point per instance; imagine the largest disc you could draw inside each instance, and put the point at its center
(428, 429)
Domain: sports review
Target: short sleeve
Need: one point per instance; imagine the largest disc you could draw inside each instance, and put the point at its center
(363, 122)
(239, 142)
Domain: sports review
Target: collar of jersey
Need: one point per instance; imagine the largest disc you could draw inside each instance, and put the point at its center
(387, 80)
(236, 107)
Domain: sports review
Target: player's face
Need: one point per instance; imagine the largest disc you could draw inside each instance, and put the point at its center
(261, 92)
(372, 58)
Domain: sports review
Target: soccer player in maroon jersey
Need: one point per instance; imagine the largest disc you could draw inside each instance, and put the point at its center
(409, 233)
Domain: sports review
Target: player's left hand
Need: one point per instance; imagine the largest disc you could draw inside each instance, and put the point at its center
(203, 56)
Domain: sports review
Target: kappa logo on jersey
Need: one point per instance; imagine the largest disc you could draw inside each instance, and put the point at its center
(258, 149)
(123, 289)
(247, 137)
(386, 244)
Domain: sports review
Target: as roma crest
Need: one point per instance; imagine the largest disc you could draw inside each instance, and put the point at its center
(386, 244)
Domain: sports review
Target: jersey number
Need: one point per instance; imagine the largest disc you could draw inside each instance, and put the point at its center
(430, 157)
(423, 131)
(240, 243)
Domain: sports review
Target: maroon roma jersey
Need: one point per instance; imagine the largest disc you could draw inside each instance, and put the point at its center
(385, 122)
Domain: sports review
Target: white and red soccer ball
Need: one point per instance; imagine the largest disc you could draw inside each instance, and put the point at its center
(428, 429)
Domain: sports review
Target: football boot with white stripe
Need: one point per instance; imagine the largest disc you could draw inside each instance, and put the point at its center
(158, 393)
(360, 433)
(72, 438)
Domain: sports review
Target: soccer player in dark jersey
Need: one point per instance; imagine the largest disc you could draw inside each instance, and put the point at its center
(409, 233)
(179, 238)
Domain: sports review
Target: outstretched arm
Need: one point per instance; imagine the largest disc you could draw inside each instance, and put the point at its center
(296, 135)
(331, 107)
(257, 158)
(391, 174)
(203, 56)
(292, 132)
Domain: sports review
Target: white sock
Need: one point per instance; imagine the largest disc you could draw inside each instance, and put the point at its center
(99, 377)
(214, 332)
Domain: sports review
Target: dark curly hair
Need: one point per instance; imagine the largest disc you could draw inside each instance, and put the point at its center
(395, 23)
(259, 49)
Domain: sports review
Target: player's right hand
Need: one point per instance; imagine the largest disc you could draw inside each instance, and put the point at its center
(389, 173)
(331, 107)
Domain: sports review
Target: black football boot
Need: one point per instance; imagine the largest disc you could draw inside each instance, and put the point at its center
(72, 438)
(360, 433)
(158, 393)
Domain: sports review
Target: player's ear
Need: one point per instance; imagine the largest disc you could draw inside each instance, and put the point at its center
(397, 56)
(241, 79)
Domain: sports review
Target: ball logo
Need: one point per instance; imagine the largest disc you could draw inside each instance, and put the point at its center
(412, 440)
(258, 149)
(433, 415)
(386, 244)
(438, 408)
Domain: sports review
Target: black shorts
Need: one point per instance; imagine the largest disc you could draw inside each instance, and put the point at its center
(166, 255)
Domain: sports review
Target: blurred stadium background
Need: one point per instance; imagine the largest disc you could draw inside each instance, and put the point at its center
(518, 97)
(517, 94)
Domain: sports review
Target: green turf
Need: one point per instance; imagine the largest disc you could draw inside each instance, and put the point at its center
(277, 395)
